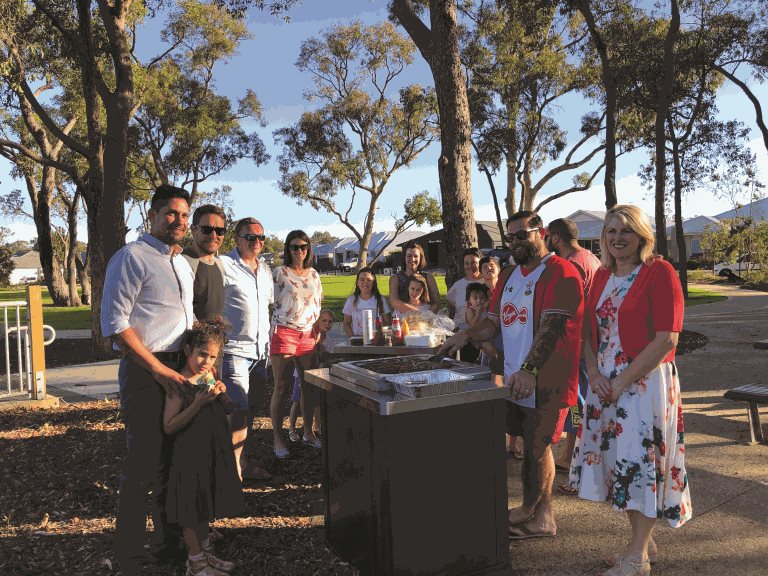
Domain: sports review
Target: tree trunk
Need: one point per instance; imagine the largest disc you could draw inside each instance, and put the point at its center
(73, 256)
(106, 189)
(41, 211)
(85, 279)
(662, 108)
(511, 107)
(499, 221)
(440, 48)
(454, 164)
(511, 199)
(365, 239)
(682, 251)
(526, 194)
(610, 86)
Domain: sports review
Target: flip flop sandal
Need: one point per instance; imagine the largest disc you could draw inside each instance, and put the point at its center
(626, 568)
(566, 490)
(522, 532)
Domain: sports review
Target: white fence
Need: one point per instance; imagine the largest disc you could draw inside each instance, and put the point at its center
(21, 380)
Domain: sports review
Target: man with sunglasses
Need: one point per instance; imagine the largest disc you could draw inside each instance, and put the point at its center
(208, 229)
(538, 305)
(248, 294)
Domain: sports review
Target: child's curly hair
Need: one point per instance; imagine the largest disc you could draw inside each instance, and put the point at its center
(214, 331)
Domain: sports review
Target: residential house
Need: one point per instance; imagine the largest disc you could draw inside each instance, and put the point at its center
(693, 231)
(328, 256)
(26, 267)
(488, 238)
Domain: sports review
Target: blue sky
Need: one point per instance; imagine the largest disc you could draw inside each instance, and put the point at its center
(265, 64)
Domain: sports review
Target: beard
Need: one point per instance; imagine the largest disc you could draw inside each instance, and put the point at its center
(522, 254)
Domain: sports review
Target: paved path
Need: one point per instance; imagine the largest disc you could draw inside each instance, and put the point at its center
(99, 380)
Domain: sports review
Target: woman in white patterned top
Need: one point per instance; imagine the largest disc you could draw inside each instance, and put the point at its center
(298, 296)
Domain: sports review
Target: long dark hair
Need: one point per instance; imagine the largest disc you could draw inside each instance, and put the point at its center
(374, 289)
(293, 235)
(424, 298)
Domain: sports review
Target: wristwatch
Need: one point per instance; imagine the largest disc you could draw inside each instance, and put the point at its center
(530, 368)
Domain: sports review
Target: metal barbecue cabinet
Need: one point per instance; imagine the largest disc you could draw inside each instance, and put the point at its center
(414, 484)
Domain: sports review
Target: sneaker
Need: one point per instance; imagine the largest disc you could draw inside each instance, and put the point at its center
(202, 568)
(218, 563)
(293, 436)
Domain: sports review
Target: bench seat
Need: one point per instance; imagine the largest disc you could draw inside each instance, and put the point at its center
(753, 395)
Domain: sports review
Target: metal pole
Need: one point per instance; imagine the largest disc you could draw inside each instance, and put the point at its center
(18, 347)
(7, 351)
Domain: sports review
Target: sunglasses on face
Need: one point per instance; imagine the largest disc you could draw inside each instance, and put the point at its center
(520, 234)
(208, 230)
(297, 247)
(253, 237)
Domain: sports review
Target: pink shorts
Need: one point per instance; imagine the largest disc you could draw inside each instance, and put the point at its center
(291, 342)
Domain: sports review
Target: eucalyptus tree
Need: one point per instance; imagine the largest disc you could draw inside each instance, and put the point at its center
(522, 58)
(184, 131)
(434, 28)
(96, 41)
(739, 28)
(42, 162)
(365, 128)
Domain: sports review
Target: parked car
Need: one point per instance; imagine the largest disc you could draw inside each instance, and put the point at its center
(743, 264)
(348, 266)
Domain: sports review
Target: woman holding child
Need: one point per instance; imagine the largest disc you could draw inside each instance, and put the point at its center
(399, 296)
(298, 295)
(458, 299)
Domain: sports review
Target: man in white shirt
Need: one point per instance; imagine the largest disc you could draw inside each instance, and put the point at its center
(248, 292)
(146, 309)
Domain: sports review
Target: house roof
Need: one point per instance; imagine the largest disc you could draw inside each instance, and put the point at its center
(695, 225)
(27, 259)
(488, 235)
(757, 209)
(595, 214)
(377, 242)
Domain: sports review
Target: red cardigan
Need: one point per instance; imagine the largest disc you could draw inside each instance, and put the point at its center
(654, 303)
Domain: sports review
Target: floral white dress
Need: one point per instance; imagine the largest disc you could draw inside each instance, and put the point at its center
(632, 453)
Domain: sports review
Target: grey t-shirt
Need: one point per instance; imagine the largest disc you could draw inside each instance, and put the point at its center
(208, 290)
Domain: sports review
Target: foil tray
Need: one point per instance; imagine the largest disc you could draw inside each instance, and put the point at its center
(358, 372)
(434, 383)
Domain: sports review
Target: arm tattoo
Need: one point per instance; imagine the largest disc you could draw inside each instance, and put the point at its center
(551, 328)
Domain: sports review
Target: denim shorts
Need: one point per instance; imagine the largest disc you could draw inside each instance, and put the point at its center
(238, 374)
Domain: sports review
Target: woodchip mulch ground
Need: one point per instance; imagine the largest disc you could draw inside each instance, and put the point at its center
(59, 479)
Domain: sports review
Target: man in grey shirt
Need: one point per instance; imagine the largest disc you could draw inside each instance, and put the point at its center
(146, 309)
(208, 228)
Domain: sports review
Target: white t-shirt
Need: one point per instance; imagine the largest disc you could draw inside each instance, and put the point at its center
(355, 310)
(457, 296)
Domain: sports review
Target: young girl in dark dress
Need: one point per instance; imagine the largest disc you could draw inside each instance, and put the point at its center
(202, 484)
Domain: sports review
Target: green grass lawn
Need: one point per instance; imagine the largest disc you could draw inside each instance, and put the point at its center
(697, 296)
(335, 289)
(60, 317)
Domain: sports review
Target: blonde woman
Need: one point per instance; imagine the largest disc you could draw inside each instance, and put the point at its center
(631, 452)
